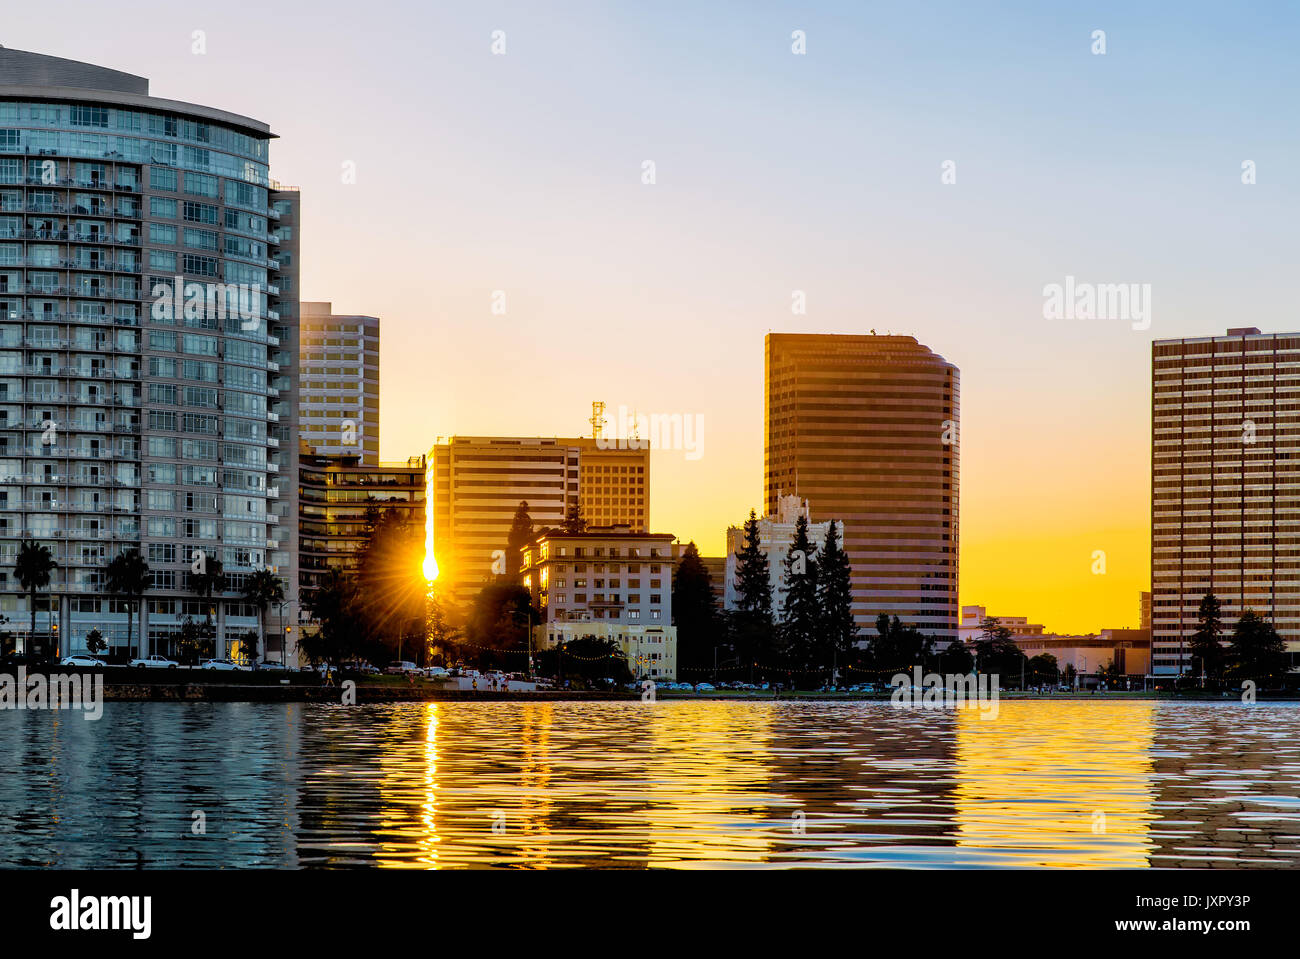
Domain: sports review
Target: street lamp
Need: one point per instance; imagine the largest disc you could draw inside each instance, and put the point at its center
(284, 629)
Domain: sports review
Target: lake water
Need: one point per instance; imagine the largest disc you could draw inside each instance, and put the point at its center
(613, 784)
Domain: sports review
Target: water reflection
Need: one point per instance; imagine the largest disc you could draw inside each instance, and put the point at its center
(632, 785)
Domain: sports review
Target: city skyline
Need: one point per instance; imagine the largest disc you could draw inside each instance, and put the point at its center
(1056, 417)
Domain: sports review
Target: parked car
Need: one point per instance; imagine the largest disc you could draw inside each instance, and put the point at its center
(80, 659)
(269, 664)
(229, 665)
(704, 687)
(155, 662)
(403, 668)
(437, 672)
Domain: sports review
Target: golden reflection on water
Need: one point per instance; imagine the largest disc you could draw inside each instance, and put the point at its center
(1057, 783)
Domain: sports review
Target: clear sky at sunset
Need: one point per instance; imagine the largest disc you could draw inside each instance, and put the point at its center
(774, 172)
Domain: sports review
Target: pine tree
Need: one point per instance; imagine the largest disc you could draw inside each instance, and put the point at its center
(752, 628)
(1205, 647)
(573, 521)
(800, 614)
(1257, 651)
(835, 598)
(695, 610)
(521, 532)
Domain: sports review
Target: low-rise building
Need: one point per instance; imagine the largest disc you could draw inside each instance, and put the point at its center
(973, 616)
(775, 534)
(609, 582)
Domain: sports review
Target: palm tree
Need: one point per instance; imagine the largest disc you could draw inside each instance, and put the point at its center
(33, 567)
(211, 580)
(262, 589)
(128, 576)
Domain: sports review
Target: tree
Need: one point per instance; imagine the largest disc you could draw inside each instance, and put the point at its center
(343, 628)
(1206, 647)
(896, 647)
(128, 576)
(390, 580)
(95, 642)
(573, 521)
(1042, 668)
(498, 623)
(1257, 651)
(210, 579)
(752, 621)
(262, 588)
(588, 657)
(443, 636)
(32, 568)
(956, 659)
(996, 652)
(835, 596)
(695, 610)
(521, 533)
(248, 645)
(800, 616)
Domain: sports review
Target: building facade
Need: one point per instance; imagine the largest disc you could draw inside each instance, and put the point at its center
(611, 583)
(866, 429)
(338, 358)
(775, 534)
(137, 329)
(1225, 485)
(478, 482)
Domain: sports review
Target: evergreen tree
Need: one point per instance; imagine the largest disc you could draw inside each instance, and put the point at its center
(835, 598)
(1257, 651)
(573, 521)
(1206, 648)
(800, 615)
(752, 627)
(695, 610)
(521, 532)
(996, 652)
(897, 648)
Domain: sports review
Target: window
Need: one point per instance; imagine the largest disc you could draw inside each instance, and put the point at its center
(161, 178)
(162, 207)
(200, 184)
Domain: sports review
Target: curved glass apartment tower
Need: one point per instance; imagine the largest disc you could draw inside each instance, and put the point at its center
(140, 366)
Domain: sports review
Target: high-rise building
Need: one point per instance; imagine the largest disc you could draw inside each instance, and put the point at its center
(1225, 485)
(478, 482)
(338, 358)
(140, 297)
(865, 428)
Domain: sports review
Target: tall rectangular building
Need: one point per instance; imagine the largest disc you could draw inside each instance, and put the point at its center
(865, 428)
(139, 301)
(339, 389)
(478, 482)
(1225, 485)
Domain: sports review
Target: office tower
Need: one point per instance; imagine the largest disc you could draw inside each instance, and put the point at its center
(865, 428)
(337, 493)
(1225, 485)
(338, 396)
(609, 582)
(775, 534)
(134, 405)
(478, 482)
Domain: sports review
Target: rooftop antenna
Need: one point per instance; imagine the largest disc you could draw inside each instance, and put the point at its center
(597, 420)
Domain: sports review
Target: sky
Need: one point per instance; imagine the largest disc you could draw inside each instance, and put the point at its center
(517, 178)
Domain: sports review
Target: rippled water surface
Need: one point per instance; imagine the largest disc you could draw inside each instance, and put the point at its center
(1120, 783)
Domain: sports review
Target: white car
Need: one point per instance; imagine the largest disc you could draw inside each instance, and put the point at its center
(704, 688)
(403, 668)
(436, 672)
(228, 665)
(155, 662)
(81, 659)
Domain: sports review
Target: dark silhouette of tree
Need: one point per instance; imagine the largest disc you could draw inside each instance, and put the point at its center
(33, 567)
(800, 615)
(897, 648)
(751, 622)
(262, 589)
(128, 576)
(521, 532)
(1206, 646)
(695, 610)
(1257, 651)
(835, 598)
(573, 521)
(996, 652)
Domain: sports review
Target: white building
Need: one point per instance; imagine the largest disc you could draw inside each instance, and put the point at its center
(775, 534)
(608, 582)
